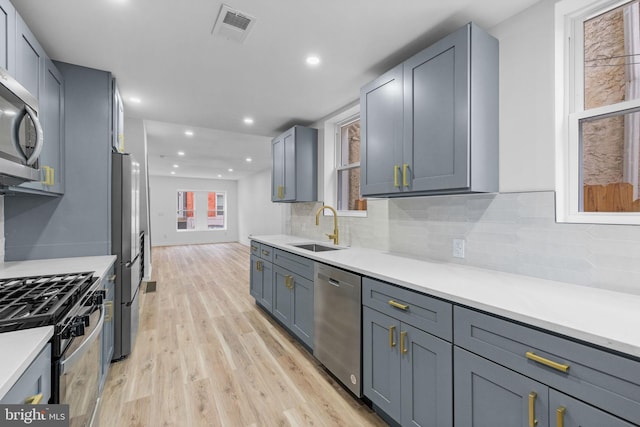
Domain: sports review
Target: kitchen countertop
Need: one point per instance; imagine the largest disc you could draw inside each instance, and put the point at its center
(605, 318)
(26, 344)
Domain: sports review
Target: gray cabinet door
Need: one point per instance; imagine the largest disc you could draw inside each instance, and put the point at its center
(381, 133)
(255, 278)
(52, 113)
(426, 372)
(266, 290)
(277, 173)
(381, 361)
(302, 312)
(489, 395)
(569, 412)
(29, 59)
(107, 328)
(8, 36)
(289, 141)
(436, 115)
(282, 296)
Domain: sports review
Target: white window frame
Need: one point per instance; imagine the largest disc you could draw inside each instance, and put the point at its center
(569, 110)
(340, 148)
(330, 161)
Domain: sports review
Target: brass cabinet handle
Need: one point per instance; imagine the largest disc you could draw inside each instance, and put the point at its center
(259, 265)
(405, 181)
(392, 332)
(532, 409)
(550, 363)
(560, 416)
(396, 169)
(111, 278)
(288, 281)
(280, 192)
(254, 248)
(395, 304)
(265, 253)
(49, 176)
(403, 347)
(33, 400)
(109, 316)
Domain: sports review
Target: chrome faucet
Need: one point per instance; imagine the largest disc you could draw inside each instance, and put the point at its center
(333, 236)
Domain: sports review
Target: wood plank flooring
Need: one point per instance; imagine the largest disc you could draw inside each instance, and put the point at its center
(206, 355)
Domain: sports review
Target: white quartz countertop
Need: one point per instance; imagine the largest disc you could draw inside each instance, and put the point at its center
(601, 317)
(18, 349)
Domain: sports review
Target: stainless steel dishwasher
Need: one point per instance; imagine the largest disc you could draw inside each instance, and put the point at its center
(337, 323)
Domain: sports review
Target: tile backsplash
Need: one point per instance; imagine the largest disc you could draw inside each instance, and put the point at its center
(511, 232)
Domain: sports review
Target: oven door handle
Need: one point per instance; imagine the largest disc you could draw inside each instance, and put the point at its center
(79, 352)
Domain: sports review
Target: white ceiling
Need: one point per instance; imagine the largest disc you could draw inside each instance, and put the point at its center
(162, 51)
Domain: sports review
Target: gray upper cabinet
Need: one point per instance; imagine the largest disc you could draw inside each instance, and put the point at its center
(30, 57)
(295, 166)
(381, 128)
(8, 36)
(430, 125)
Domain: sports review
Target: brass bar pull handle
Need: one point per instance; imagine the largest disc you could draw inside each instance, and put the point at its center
(560, 416)
(265, 253)
(33, 400)
(280, 192)
(259, 265)
(396, 169)
(532, 409)
(403, 347)
(254, 248)
(288, 281)
(550, 363)
(395, 304)
(109, 316)
(392, 333)
(405, 181)
(111, 278)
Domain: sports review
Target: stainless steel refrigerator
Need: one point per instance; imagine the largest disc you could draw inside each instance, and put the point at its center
(125, 244)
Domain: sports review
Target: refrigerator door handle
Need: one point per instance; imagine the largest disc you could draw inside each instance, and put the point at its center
(133, 261)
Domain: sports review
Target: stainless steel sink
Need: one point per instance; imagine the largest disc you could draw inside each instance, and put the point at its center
(314, 247)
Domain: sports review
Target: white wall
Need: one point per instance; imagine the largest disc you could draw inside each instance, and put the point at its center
(527, 147)
(257, 215)
(163, 206)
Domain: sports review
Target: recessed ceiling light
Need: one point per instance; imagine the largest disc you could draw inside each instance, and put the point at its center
(175, 166)
(219, 175)
(180, 153)
(313, 60)
(135, 99)
(188, 132)
(173, 172)
(248, 160)
(230, 170)
(248, 120)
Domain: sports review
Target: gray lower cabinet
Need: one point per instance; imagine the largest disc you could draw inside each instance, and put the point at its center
(261, 282)
(430, 125)
(406, 371)
(34, 385)
(293, 303)
(8, 36)
(510, 374)
(295, 165)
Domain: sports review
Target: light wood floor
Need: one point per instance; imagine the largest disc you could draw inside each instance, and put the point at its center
(207, 356)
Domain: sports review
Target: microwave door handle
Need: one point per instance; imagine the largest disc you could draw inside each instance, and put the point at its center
(15, 133)
(39, 136)
(68, 362)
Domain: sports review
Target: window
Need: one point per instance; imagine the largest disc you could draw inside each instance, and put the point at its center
(348, 165)
(201, 210)
(215, 211)
(598, 111)
(186, 211)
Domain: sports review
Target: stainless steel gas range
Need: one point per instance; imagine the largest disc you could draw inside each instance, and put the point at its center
(74, 305)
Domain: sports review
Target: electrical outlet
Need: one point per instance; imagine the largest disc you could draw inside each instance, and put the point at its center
(458, 248)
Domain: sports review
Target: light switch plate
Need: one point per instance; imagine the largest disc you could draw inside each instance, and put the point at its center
(458, 248)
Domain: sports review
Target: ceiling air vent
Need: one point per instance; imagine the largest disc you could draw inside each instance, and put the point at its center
(233, 24)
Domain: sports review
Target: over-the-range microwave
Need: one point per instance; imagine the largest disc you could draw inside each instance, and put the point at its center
(21, 136)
